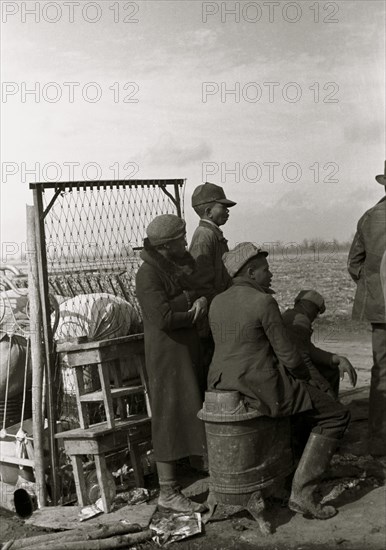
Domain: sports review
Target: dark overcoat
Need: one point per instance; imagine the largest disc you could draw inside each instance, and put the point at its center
(364, 261)
(172, 356)
(253, 353)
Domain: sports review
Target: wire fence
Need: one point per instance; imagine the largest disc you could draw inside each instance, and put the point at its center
(93, 234)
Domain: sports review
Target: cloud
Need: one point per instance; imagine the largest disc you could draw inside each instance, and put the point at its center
(364, 131)
(199, 38)
(169, 151)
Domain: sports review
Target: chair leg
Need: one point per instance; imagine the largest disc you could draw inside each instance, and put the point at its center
(101, 470)
(80, 484)
(137, 466)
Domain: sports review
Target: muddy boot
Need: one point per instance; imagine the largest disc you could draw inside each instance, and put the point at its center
(171, 498)
(314, 462)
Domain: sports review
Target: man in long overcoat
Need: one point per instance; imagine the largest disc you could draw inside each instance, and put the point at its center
(171, 306)
(364, 261)
(254, 356)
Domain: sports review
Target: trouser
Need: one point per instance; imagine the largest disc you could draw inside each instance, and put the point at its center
(377, 401)
(332, 375)
(328, 417)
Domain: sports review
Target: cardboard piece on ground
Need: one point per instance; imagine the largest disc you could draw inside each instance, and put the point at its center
(66, 517)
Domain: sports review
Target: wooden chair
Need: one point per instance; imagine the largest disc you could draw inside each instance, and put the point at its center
(113, 434)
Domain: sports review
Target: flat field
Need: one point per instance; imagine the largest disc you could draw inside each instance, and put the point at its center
(325, 272)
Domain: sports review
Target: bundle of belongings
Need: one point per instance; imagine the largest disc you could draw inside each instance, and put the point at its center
(97, 316)
(14, 331)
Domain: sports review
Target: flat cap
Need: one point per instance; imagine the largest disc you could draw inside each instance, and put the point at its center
(312, 296)
(209, 192)
(165, 228)
(236, 258)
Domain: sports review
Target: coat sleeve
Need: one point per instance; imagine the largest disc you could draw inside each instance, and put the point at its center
(156, 306)
(299, 332)
(357, 254)
(320, 356)
(284, 349)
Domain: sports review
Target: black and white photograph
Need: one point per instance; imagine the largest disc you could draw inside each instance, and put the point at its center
(193, 274)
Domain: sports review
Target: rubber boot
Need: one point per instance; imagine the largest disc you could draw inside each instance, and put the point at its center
(171, 497)
(313, 463)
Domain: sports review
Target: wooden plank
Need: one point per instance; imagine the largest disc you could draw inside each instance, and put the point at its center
(137, 466)
(102, 473)
(74, 358)
(104, 376)
(80, 484)
(48, 343)
(67, 517)
(140, 364)
(81, 447)
(97, 396)
(98, 430)
(37, 357)
(84, 419)
(117, 376)
(71, 346)
(16, 460)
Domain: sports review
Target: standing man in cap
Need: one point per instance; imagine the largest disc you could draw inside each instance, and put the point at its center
(171, 306)
(207, 248)
(253, 355)
(208, 243)
(326, 368)
(364, 261)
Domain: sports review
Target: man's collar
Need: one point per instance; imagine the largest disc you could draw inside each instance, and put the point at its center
(243, 281)
(213, 227)
(211, 223)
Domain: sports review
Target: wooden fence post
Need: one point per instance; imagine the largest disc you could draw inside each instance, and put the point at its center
(37, 357)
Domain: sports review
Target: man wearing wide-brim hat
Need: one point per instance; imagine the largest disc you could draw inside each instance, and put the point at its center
(364, 263)
(253, 355)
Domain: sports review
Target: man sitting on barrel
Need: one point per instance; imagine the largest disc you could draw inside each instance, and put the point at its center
(254, 356)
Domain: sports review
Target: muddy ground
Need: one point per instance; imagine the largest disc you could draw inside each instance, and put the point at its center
(360, 523)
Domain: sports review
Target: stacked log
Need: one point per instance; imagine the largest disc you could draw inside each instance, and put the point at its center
(101, 537)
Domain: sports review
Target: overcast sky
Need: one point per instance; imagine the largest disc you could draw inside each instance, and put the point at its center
(321, 118)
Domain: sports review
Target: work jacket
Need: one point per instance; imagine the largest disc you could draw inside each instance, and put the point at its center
(319, 361)
(253, 353)
(207, 248)
(364, 261)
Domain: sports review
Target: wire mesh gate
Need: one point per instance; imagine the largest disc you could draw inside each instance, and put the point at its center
(89, 235)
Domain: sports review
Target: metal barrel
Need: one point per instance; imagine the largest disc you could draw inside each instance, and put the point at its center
(245, 454)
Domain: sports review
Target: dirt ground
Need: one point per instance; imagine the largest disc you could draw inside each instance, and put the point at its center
(360, 523)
